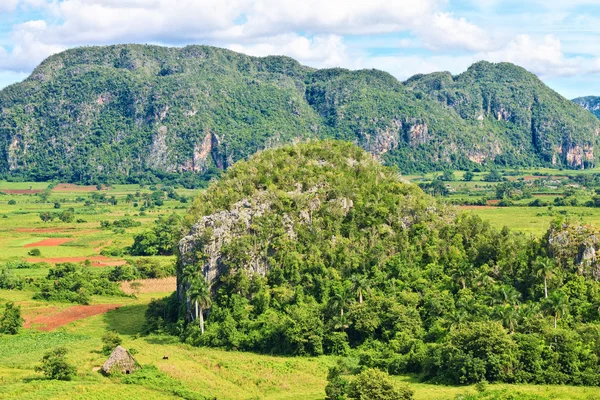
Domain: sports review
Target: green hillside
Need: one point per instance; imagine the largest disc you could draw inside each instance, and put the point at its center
(317, 249)
(127, 113)
(590, 103)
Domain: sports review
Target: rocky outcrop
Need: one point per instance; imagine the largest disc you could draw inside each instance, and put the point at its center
(575, 246)
(213, 232)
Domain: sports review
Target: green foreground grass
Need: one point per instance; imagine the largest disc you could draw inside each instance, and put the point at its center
(189, 371)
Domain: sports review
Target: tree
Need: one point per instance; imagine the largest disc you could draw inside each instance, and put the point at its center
(46, 216)
(447, 176)
(468, 176)
(557, 305)
(361, 285)
(55, 366)
(374, 384)
(11, 320)
(546, 269)
(509, 317)
(198, 292)
(66, 216)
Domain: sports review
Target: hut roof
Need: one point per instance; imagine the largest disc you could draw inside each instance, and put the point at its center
(120, 361)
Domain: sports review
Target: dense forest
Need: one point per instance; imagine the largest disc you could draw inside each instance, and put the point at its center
(135, 113)
(318, 249)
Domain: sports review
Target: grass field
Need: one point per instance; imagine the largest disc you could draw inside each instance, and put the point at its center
(189, 371)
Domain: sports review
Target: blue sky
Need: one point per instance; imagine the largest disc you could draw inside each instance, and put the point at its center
(558, 40)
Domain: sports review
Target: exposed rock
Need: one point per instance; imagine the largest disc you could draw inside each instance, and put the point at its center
(575, 246)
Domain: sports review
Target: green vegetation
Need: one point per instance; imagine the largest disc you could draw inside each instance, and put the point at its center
(11, 321)
(55, 366)
(356, 263)
(145, 114)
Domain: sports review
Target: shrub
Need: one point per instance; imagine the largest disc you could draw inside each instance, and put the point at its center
(110, 340)
(34, 252)
(11, 320)
(54, 365)
(12, 202)
(373, 384)
(66, 216)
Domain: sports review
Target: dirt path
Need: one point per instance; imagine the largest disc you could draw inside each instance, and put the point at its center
(49, 322)
(49, 242)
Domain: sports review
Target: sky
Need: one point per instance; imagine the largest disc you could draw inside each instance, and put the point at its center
(559, 40)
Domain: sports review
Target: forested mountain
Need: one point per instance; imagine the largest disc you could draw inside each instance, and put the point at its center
(590, 103)
(316, 248)
(121, 113)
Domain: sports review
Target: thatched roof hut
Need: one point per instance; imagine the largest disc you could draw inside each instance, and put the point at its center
(120, 361)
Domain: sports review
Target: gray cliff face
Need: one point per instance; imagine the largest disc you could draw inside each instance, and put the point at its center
(212, 232)
(208, 239)
(576, 247)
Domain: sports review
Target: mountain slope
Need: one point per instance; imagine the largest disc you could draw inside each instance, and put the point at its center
(513, 105)
(127, 112)
(590, 103)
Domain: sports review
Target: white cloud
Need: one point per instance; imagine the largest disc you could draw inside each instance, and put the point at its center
(8, 5)
(444, 31)
(544, 57)
(320, 51)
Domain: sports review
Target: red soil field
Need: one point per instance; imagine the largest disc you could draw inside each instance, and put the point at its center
(49, 242)
(97, 261)
(492, 202)
(52, 320)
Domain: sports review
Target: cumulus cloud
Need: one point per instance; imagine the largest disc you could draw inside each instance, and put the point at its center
(415, 36)
(544, 57)
(444, 31)
(319, 51)
(254, 26)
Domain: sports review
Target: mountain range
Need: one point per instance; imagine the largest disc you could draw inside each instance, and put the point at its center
(121, 113)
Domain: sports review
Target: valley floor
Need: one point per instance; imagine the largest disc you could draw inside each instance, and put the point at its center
(188, 372)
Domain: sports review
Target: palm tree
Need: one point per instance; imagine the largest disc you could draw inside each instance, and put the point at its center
(341, 297)
(508, 295)
(557, 305)
(462, 273)
(199, 294)
(456, 318)
(509, 317)
(361, 285)
(546, 269)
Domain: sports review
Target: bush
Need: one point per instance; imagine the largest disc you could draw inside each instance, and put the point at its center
(69, 282)
(11, 320)
(111, 340)
(34, 252)
(54, 365)
(160, 240)
(373, 384)
(12, 202)
(66, 216)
